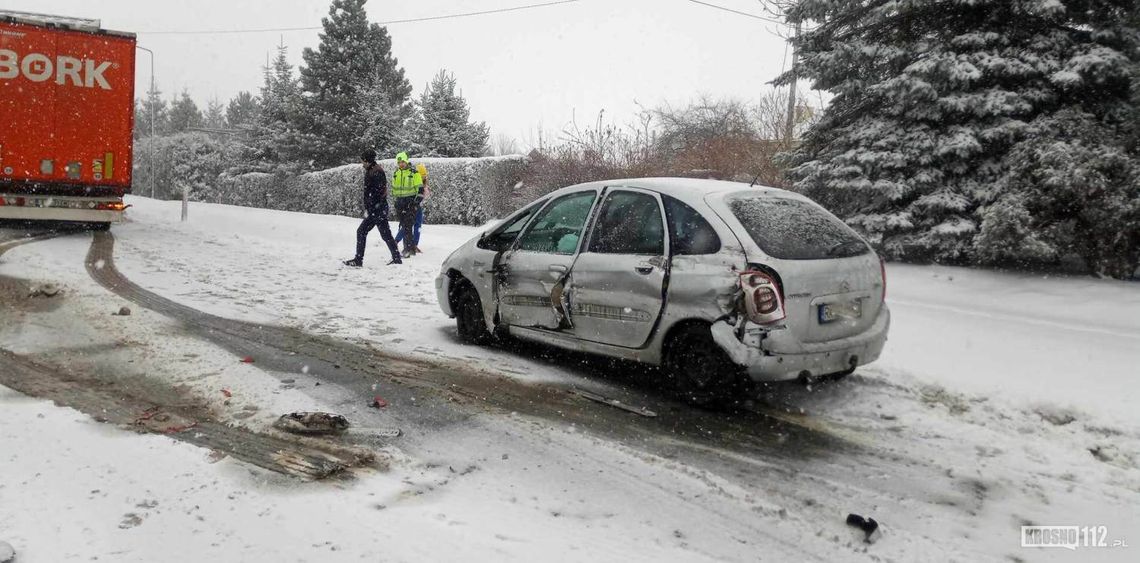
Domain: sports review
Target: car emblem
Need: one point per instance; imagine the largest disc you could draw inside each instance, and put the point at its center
(844, 286)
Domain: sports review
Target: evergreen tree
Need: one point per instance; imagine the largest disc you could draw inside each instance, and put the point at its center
(141, 120)
(242, 110)
(152, 117)
(215, 117)
(1075, 190)
(441, 126)
(349, 81)
(184, 114)
(935, 102)
(280, 94)
(383, 123)
(276, 141)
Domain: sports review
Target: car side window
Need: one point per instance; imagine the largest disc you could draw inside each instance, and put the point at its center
(629, 223)
(689, 232)
(558, 228)
(501, 238)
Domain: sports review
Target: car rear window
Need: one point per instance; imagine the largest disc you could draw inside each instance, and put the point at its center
(791, 229)
(689, 233)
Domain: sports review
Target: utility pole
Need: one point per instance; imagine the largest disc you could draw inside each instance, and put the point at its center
(152, 118)
(790, 128)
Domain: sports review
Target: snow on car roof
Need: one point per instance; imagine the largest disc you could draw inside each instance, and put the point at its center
(688, 190)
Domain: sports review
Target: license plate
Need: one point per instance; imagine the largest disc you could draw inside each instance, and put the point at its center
(831, 312)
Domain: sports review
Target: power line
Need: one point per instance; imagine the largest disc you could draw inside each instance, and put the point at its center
(411, 20)
(738, 12)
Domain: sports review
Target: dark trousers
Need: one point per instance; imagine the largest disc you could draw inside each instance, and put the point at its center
(406, 208)
(378, 218)
(416, 229)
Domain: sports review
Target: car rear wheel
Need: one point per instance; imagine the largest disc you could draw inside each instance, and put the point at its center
(469, 316)
(702, 372)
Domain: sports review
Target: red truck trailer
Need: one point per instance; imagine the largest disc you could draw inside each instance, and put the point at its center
(67, 90)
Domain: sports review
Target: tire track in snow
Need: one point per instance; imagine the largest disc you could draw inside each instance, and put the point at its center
(460, 391)
(192, 424)
(457, 395)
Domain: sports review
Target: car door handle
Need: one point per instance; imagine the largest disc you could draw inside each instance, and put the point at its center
(644, 270)
(558, 268)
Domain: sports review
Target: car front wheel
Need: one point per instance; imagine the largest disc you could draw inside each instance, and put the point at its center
(469, 316)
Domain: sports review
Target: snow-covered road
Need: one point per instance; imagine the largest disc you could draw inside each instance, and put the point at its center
(1002, 400)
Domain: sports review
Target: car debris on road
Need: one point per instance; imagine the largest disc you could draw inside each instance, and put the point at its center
(312, 423)
(869, 526)
(643, 411)
(44, 290)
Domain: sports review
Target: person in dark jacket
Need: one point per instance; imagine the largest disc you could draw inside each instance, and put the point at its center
(375, 211)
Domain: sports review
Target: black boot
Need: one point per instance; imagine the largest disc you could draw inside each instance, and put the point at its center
(355, 262)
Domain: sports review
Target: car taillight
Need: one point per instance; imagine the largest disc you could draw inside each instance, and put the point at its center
(762, 301)
(883, 273)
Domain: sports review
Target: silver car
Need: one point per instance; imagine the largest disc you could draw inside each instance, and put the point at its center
(712, 280)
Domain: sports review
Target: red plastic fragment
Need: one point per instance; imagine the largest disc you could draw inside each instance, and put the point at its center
(227, 393)
(247, 360)
(378, 402)
(177, 429)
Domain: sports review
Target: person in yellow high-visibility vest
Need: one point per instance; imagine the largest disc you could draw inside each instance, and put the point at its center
(425, 191)
(406, 185)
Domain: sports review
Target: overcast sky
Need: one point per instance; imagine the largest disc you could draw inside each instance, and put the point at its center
(518, 70)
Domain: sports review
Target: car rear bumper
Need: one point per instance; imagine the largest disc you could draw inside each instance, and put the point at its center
(832, 357)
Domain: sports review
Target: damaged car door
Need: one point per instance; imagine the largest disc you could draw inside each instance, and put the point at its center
(531, 276)
(616, 285)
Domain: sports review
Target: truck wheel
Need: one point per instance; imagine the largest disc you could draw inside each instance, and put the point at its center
(702, 372)
(469, 316)
(100, 226)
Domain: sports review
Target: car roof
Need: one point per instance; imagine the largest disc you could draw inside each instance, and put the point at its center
(691, 191)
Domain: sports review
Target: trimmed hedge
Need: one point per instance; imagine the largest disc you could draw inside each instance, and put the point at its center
(466, 191)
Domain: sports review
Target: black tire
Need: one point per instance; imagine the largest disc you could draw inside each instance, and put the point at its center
(702, 372)
(468, 311)
(100, 226)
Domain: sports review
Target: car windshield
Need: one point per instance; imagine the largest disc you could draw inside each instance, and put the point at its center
(792, 229)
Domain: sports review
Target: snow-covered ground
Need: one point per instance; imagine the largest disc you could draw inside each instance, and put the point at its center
(488, 489)
(1002, 399)
(1069, 342)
